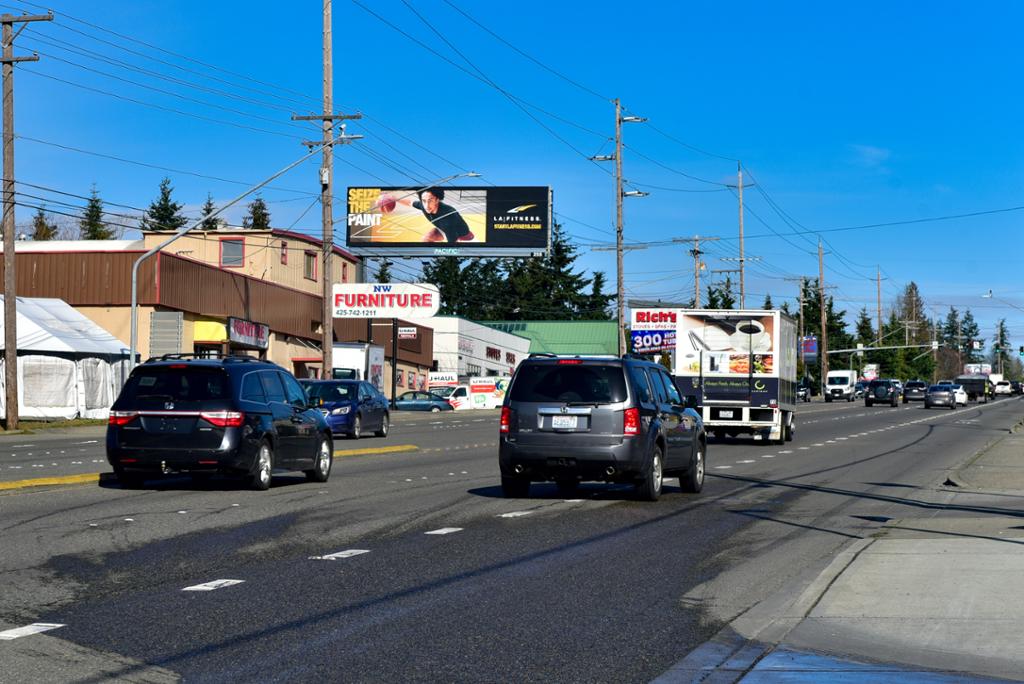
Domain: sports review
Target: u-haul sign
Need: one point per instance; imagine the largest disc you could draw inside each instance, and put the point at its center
(386, 300)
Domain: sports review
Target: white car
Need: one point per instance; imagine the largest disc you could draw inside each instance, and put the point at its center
(1003, 387)
(960, 394)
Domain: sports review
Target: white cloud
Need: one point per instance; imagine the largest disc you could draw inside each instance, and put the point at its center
(870, 156)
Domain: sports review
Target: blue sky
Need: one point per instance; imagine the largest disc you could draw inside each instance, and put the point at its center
(844, 116)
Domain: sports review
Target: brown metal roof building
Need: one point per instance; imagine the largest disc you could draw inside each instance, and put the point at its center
(188, 293)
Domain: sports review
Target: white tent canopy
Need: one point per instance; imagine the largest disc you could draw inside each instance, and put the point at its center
(67, 365)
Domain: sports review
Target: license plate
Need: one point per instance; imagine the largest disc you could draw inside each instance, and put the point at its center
(563, 422)
(725, 414)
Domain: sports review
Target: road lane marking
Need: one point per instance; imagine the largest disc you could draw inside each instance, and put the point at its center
(723, 467)
(804, 448)
(88, 478)
(515, 514)
(787, 451)
(91, 441)
(376, 450)
(748, 460)
(215, 584)
(348, 553)
(34, 628)
(768, 456)
(445, 530)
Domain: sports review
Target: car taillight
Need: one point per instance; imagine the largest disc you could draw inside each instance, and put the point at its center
(631, 422)
(569, 362)
(121, 417)
(223, 418)
(506, 420)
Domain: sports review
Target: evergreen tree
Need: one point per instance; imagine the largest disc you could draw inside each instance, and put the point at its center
(258, 217)
(446, 274)
(767, 302)
(971, 336)
(164, 213)
(91, 225)
(785, 309)
(384, 271)
(598, 305)
(209, 222)
(949, 334)
(865, 330)
(999, 356)
(42, 227)
(721, 296)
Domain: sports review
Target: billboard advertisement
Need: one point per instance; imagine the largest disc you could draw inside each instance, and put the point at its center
(386, 300)
(871, 371)
(449, 221)
(726, 345)
(809, 348)
(653, 330)
(977, 369)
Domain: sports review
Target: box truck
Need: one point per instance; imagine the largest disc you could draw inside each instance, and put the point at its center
(741, 367)
(358, 361)
(480, 393)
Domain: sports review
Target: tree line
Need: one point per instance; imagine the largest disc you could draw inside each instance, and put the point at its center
(163, 214)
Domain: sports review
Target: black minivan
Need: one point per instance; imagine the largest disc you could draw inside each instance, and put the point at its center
(232, 415)
(570, 419)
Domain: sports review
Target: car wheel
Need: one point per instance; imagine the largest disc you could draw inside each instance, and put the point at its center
(435, 409)
(514, 487)
(828, 399)
(322, 467)
(385, 424)
(894, 404)
(649, 489)
(787, 431)
(867, 402)
(953, 407)
(693, 480)
(357, 428)
(261, 475)
(567, 487)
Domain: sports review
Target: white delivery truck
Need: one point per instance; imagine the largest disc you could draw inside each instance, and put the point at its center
(480, 393)
(841, 385)
(741, 367)
(358, 361)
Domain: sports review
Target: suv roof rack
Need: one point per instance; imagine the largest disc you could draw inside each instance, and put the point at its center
(543, 355)
(184, 356)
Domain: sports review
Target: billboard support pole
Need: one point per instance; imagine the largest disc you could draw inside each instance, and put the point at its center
(394, 360)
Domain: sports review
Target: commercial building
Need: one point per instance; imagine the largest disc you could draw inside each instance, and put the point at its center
(209, 291)
(475, 349)
(586, 338)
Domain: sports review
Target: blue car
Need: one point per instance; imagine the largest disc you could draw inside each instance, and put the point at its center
(422, 401)
(351, 407)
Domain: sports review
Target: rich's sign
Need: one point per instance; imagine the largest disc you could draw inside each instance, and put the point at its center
(386, 300)
(248, 333)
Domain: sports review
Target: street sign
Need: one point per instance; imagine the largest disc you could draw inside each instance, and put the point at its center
(407, 333)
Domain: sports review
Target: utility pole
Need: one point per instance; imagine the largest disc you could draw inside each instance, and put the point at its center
(10, 291)
(620, 285)
(619, 195)
(327, 191)
(878, 276)
(696, 253)
(824, 321)
(739, 184)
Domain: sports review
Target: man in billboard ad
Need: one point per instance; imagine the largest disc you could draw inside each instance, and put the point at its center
(409, 220)
(726, 345)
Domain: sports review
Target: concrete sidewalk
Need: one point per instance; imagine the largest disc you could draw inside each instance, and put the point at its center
(931, 599)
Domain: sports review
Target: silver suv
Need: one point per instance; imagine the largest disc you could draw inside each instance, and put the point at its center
(571, 419)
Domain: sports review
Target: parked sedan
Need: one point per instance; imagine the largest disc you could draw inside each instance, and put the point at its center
(940, 396)
(351, 407)
(422, 401)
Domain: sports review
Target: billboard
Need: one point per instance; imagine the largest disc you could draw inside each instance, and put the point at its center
(977, 369)
(653, 330)
(448, 221)
(386, 300)
(726, 345)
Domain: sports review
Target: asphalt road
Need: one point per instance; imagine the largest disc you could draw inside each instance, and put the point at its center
(438, 577)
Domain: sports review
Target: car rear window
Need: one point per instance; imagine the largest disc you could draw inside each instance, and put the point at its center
(332, 391)
(164, 383)
(590, 383)
(916, 385)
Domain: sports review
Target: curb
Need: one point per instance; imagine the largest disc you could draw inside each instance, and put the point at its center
(955, 475)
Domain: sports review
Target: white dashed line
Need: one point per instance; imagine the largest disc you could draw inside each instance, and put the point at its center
(348, 553)
(768, 456)
(723, 467)
(515, 514)
(445, 530)
(129, 519)
(804, 448)
(746, 461)
(787, 451)
(574, 501)
(215, 584)
(34, 628)
(91, 441)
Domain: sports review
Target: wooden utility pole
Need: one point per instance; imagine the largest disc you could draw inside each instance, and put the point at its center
(696, 253)
(739, 185)
(824, 321)
(10, 292)
(327, 192)
(620, 286)
(878, 277)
